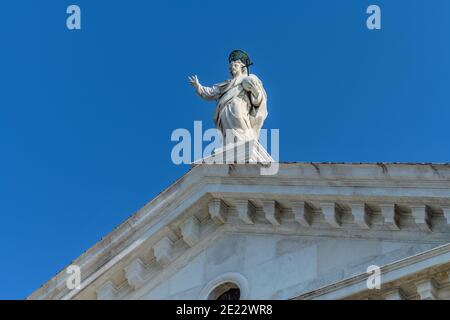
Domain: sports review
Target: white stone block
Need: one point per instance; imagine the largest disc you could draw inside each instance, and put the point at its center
(298, 208)
(163, 251)
(271, 212)
(388, 213)
(245, 211)
(359, 214)
(190, 230)
(426, 289)
(107, 291)
(395, 294)
(446, 211)
(329, 213)
(135, 273)
(419, 215)
(217, 210)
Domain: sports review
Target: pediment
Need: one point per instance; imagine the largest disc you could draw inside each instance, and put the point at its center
(402, 207)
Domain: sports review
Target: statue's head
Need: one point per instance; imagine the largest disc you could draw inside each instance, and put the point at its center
(239, 61)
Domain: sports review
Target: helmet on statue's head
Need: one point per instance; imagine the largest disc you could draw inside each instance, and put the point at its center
(240, 55)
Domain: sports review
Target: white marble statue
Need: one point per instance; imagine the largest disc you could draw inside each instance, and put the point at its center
(241, 101)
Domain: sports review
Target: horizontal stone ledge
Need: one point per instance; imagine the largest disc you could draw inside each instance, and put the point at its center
(362, 214)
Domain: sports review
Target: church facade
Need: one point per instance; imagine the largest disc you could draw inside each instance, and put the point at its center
(312, 231)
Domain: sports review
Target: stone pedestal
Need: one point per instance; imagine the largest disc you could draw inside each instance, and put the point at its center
(249, 151)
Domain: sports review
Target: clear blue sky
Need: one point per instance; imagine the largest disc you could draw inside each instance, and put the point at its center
(86, 116)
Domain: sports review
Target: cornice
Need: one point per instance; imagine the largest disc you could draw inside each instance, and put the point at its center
(292, 182)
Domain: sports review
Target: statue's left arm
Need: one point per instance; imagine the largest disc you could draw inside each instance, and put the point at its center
(253, 85)
(258, 111)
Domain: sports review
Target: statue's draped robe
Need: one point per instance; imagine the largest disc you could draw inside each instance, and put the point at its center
(240, 110)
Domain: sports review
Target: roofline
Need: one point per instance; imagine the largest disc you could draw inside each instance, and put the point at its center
(143, 213)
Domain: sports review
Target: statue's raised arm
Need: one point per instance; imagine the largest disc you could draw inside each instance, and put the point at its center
(207, 93)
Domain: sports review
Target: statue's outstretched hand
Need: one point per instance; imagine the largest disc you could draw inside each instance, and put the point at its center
(193, 80)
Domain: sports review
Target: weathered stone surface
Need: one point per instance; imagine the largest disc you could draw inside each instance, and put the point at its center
(309, 232)
(217, 210)
(245, 210)
(135, 273)
(190, 231)
(107, 291)
(163, 251)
